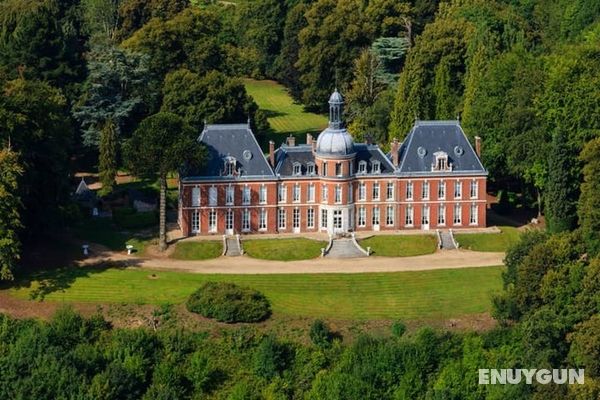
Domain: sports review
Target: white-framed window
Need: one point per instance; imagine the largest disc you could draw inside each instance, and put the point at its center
(324, 168)
(296, 218)
(362, 216)
(323, 218)
(375, 219)
(229, 195)
(246, 220)
(473, 214)
(338, 194)
(196, 197)
(311, 192)
(296, 193)
(282, 194)
(262, 194)
(441, 215)
(425, 215)
(246, 195)
(376, 167)
(425, 191)
(212, 196)
(337, 219)
(262, 219)
(338, 169)
(229, 166)
(310, 168)
(362, 191)
(441, 190)
(310, 218)
(409, 190)
(324, 193)
(410, 213)
(212, 221)
(229, 220)
(375, 194)
(390, 190)
(297, 168)
(350, 193)
(362, 167)
(389, 216)
(195, 221)
(281, 218)
(441, 162)
(474, 189)
(351, 166)
(457, 189)
(457, 214)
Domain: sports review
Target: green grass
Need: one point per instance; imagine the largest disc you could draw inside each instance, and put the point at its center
(431, 294)
(283, 249)
(285, 116)
(400, 245)
(103, 231)
(497, 242)
(201, 250)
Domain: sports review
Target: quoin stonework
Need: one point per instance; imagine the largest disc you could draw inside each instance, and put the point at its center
(434, 179)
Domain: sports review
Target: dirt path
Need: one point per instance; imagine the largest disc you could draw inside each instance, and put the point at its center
(247, 265)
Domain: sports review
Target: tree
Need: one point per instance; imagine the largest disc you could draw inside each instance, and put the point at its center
(107, 165)
(320, 334)
(589, 202)
(162, 143)
(134, 14)
(10, 220)
(101, 20)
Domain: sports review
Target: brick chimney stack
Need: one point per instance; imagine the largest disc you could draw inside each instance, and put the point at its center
(478, 146)
(309, 139)
(291, 141)
(368, 139)
(394, 150)
(272, 153)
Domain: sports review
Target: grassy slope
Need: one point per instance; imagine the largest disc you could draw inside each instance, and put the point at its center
(283, 249)
(285, 116)
(488, 241)
(401, 245)
(406, 295)
(202, 250)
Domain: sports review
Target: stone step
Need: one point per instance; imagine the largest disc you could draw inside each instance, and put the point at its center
(344, 248)
(447, 242)
(233, 250)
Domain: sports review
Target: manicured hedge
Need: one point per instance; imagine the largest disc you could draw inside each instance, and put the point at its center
(227, 302)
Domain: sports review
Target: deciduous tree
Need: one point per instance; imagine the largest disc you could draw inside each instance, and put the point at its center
(10, 219)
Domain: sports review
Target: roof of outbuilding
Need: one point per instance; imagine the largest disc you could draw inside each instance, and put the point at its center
(232, 140)
(429, 137)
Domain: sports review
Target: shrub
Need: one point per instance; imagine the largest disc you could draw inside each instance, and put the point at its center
(320, 334)
(398, 328)
(229, 303)
(129, 218)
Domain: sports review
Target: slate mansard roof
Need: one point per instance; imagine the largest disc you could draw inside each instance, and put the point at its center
(232, 140)
(428, 137)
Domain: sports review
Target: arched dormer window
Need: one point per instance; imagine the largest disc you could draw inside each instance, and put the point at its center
(362, 167)
(297, 168)
(440, 162)
(230, 166)
(376, 167)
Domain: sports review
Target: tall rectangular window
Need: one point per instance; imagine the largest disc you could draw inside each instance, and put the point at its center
(282, 194)
(338, 169)
(425, 191)
(229, 195)
(375, 191)
(195, 221)
(196, 197)
(338, 194)
(442, 190)
(457, 216)
(246, 220)
(441, 215)
(262, 194)
(425, 215)
(212, 196)
(297, 193)
(473, 214)
(296, 218)
(473, 189)
(262, 220)
(350, 193)
(390, 190)
(281, 218)
(457, 189)
(362, 216)
(389, 216)
(375, 220)
(212, 221)
(324, 168)
(409, 191)
(311, 192)
(362, 191)
(310, 218)
(246, 195)
(229, 220)
(409, 215)
(324, 193)
(323, 218)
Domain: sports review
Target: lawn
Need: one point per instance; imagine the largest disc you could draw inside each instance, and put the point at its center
(488, 241)
(403, 295)
(283, 249)
(201, 250)
(400, 245)
(103, 231)
(285, 116)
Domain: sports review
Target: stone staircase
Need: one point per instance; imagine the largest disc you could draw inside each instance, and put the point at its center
(233, 248)
(447, 241)
(344, 248)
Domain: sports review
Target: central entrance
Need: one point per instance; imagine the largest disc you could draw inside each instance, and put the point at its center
(336, 220)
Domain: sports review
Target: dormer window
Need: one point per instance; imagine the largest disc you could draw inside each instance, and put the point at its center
(441, 162)
(376, 167)
(310, 167)
(230, 164)
(362, 167)
(297, 168)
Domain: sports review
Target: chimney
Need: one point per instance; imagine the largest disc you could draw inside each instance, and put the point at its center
(272, 153)
(309, 139)
(395, 149)
(368, 139)
(291, 141)
(478, 146)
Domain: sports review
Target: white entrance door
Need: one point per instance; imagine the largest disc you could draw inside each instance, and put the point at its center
(425, 218)
(229, 223)
(338, 226)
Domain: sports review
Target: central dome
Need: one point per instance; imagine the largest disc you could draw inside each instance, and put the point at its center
(335, 140)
